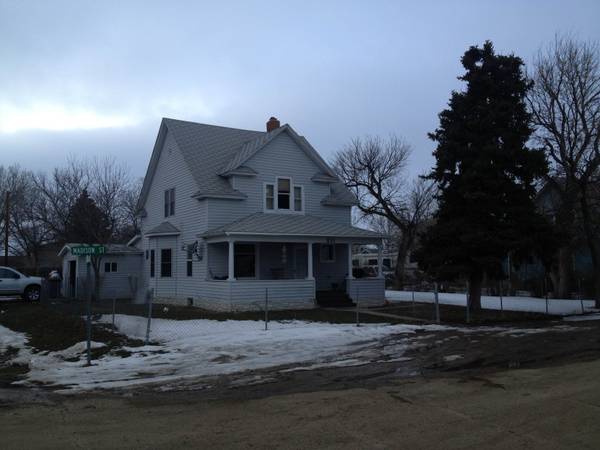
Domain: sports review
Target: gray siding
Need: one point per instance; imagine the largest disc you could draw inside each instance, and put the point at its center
(190, 217)
(283, 294)
(217, 259)
(123, 283)
(112, 285)
(281, 157)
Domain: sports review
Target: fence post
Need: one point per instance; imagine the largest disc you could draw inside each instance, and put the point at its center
(413, 301)
(150, 298)
(579, 295)
(88, 327)
(266, 309)
(546, 293)
(437, 302)
(501, 304)
(114, 307)
(468, 305)
(357, 306)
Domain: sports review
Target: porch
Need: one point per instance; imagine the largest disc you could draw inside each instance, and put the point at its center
(292, 274)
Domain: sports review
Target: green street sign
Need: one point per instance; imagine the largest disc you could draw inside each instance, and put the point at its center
(88, 250)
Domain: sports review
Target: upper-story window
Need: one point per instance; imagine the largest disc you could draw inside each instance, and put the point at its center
(170, 202)
(284, 196)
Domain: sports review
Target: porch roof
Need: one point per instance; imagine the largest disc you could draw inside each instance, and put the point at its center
(164, 229)
(267, 224)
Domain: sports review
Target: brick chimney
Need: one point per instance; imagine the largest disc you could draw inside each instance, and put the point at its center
(272, 124)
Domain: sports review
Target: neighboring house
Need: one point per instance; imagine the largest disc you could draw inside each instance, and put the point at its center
(229, 216)
(120, 270)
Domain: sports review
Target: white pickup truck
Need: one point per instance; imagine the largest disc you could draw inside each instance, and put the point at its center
(13, 283)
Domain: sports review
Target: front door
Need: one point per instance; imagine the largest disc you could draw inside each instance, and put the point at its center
(72, 277)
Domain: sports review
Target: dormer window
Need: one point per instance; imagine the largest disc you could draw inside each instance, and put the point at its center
(284, 196)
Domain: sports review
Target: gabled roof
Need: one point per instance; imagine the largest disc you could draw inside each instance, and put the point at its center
(290, 225)
(205, 149)
(249, 149)
(213, 153)
(164, 229)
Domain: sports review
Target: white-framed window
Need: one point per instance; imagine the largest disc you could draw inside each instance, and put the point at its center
(284, 196)
(110, 267)
(327, 253)
(170, 202)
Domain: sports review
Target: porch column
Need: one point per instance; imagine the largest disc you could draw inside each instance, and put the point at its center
(380, 259)
(350, 261)
(309, 262)
(230, 261)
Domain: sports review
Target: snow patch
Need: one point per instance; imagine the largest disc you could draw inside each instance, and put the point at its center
(559, 307)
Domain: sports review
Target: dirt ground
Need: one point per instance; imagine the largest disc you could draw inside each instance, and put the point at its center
(553, 407)
(479, 389)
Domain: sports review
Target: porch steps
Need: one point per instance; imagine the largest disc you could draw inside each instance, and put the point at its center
(334, 299)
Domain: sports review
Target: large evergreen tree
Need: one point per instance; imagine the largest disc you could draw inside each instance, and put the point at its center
(87, 224)
(485, 173)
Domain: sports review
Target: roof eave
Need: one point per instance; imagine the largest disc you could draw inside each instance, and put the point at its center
(167, 233)
(202, 196)
(306, 235)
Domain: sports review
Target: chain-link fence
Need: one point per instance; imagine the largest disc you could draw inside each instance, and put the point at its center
(495, 295)
(148, 320)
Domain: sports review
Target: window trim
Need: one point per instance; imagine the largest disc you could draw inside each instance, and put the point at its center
(169, 202)
(301, 210)
(276, 208)
(265, 184)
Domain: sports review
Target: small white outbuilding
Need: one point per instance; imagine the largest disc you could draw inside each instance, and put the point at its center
(120, 271)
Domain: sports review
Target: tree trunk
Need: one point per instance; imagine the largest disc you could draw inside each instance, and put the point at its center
(592, 244)
(404, 245)
(475, 282)
(562, 286)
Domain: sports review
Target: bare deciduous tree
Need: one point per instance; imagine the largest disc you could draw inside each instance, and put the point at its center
(375, 170)
(565, 103)
(60, 190)
(27, 232)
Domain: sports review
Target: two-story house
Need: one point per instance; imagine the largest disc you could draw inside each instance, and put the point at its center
(231, 216)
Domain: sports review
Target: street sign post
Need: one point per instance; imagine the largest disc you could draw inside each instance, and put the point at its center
(88, 250)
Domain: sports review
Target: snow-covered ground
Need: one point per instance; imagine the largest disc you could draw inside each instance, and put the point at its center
(200, 348)
(184, 351)
(561, 307)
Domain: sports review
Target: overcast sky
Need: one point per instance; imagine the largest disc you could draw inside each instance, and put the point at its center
(95, 78)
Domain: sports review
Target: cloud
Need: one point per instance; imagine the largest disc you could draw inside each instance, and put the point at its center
(57, 117)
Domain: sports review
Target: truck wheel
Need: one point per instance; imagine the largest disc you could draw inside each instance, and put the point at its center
(32, 293)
